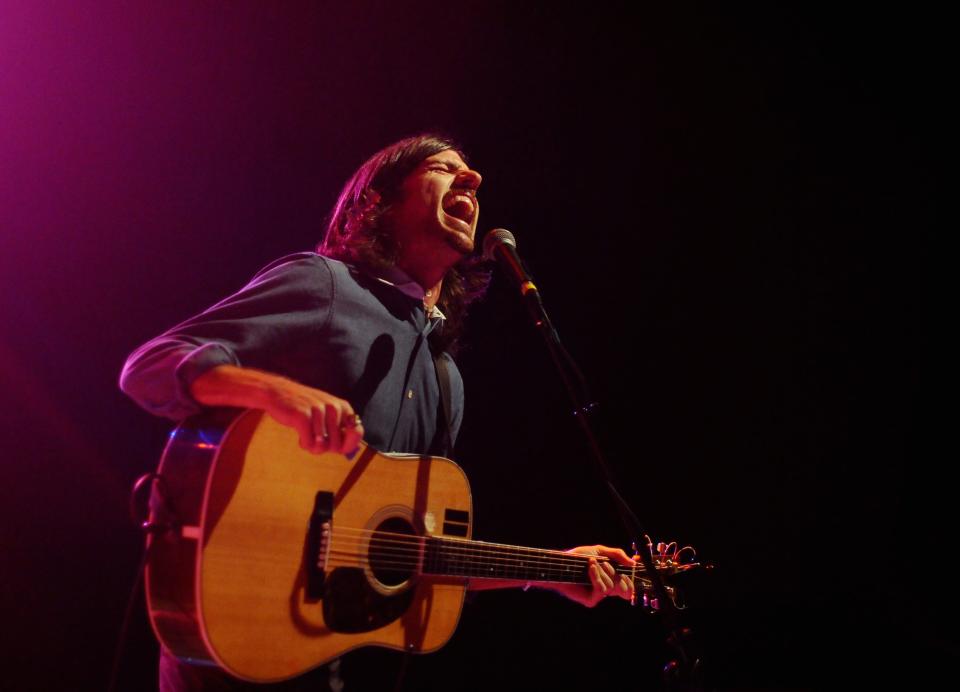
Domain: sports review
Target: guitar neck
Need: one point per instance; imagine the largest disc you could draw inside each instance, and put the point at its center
(481, 560)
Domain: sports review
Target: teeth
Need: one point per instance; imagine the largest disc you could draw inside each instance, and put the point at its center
(461, 206)
(458, 199)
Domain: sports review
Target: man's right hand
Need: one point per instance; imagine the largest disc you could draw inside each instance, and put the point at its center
(324, 423)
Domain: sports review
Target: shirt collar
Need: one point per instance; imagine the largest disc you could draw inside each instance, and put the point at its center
(400, 280)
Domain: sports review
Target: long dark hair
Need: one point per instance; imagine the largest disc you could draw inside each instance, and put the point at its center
(356, 233)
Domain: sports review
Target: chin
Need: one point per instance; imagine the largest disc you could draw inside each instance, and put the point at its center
(463, 244)
(457, 239)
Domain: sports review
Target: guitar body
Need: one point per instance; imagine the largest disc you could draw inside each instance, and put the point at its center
(271, 567)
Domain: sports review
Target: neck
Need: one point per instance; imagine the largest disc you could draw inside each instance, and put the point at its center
(432, 295)
(429, 274)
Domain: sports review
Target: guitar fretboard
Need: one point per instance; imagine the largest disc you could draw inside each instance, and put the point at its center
(476, 559)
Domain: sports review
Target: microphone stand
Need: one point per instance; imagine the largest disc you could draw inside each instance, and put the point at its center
(682, 674)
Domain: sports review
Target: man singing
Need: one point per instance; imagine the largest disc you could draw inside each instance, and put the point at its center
(345, 344)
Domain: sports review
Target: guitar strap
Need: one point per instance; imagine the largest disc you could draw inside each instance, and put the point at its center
(443, 381)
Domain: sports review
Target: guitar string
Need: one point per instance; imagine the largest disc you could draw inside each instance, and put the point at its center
(453, 539)
(486, 549)
(413, 561)
(405, 549)
(411, 546)
(452, 545)
(546, 577)
(400, 548)
(670, 550)
(446, 541)
(476, 562)
(550, 576)
(554, 579)
(478, 554)
(480, 562)
(477, 557)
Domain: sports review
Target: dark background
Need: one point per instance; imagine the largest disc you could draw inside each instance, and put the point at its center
(730, 215)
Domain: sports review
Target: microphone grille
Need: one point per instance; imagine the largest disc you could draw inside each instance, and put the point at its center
(498, 236)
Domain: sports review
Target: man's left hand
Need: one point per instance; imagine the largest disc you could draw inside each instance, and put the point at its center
(604, 579)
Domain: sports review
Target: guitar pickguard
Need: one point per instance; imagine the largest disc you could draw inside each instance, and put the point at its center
(351, 605)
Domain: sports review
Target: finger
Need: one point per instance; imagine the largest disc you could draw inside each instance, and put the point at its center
(305, 433)
(349, 422)
(615, 554)
(352, 434)
(609, 569)
(335, 437)
(300, 421)
(595, 579)
(605, 579)
(320, 437)
(351, 439)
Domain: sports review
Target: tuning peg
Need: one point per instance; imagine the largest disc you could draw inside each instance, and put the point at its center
(650, 602)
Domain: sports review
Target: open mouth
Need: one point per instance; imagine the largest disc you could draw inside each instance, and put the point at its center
(461, 205)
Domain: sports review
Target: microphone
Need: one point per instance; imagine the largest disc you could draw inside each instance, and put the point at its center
(500, 245)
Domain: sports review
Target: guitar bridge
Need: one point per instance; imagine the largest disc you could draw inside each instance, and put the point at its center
(317, 549)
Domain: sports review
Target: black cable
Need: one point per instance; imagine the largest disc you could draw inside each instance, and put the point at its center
(143, 521)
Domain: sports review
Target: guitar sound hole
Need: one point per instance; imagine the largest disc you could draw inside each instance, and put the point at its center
(394, 552)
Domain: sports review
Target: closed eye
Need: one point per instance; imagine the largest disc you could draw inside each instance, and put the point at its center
(445, 168)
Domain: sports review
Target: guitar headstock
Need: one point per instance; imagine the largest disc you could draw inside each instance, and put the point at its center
(673, 558)
(669, 559)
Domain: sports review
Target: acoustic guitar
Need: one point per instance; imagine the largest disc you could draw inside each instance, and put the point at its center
(271, 561)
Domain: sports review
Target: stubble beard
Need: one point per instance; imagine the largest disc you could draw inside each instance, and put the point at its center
(461, 243)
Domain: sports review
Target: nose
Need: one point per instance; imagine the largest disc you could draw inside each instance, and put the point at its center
(468, 179)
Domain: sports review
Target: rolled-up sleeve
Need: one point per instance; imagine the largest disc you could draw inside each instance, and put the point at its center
(283, 308)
